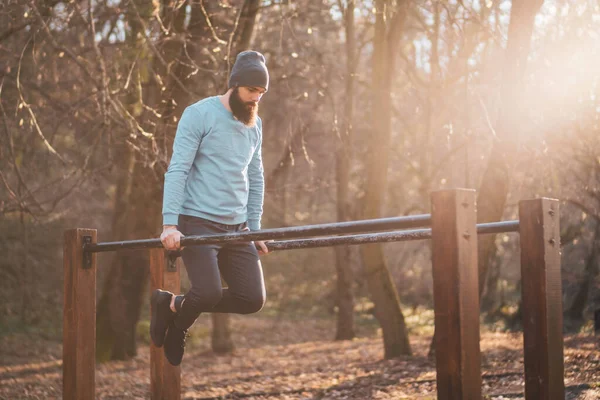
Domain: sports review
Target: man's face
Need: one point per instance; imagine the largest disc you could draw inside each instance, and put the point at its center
(244, 103)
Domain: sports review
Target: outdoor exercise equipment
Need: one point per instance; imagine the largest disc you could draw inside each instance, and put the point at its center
(452, 228)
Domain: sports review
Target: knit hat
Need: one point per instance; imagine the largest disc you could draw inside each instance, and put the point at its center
(249, 69)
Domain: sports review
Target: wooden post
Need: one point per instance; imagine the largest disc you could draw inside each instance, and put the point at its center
(165, 379)
(79, 317)
(541, 299)
(456, 294)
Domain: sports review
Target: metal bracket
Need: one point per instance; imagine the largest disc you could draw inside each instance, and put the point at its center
(172, 260)
(87, 256)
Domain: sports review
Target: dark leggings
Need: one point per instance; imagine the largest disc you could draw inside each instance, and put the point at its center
(238, 264)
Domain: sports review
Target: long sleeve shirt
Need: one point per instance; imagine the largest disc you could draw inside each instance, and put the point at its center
(216, 170)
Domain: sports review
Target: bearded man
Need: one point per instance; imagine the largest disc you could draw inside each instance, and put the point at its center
(215, 185)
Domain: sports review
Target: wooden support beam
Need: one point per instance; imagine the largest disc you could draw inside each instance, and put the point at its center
(79, 317)
(165, 379)
(541, 299)
(456, 294)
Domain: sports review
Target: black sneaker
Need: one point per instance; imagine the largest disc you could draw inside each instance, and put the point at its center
(161, 316)
(175, 344)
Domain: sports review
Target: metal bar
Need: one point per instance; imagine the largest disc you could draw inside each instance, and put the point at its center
(397, 236)
(315, 230)
(383, 237)
(498, 227)
(381, 224)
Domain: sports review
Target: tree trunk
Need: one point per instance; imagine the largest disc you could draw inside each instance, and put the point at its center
(278, 177)
(222, 341)
(432, 99)
(106, 321)
(120, 307)
(379, 280)
(26, 281)
(490, 302)
(136, 216)
(575, 311)
(246, 25)
(345, 297)
(496, 178)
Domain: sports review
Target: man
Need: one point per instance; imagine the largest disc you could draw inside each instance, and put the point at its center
(215, 185)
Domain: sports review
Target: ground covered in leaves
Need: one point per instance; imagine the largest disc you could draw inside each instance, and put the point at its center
(292, 359)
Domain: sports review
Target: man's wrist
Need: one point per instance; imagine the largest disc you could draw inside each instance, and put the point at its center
(170, 219)
(254, 224)
(167, 227)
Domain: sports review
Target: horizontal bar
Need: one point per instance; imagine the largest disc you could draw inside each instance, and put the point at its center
(398, 236)
(295, 232)
(498, 227)
(383, 237)
(313, 230)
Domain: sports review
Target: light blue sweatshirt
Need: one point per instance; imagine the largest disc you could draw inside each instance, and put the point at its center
(216, 170)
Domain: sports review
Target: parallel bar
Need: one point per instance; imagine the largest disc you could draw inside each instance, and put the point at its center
(79, 318)
(397, 236)
(541, 295)
(268, 234)
(383, 237)
(165, 379)
(456, 295)
(498, 227)
(411, 221)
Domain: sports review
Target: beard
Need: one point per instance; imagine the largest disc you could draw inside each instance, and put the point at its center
(245, 112)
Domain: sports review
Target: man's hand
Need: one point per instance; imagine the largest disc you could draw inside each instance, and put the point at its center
(171, 237)
(261, 247)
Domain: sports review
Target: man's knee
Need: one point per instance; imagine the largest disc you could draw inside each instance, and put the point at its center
(254, 304)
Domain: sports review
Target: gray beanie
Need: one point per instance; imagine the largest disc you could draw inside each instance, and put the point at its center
(249, 69)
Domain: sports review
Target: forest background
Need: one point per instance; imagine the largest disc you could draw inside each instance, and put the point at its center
(372, 106)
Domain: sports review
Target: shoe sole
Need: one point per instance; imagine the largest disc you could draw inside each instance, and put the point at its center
(170, 362)
(154, 305)
(175, 364)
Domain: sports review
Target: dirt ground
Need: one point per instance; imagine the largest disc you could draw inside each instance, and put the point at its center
(282, 359)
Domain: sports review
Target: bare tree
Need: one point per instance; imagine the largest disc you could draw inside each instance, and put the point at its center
(222, 341)
(345, 297)
(381, 286)
(494, 187)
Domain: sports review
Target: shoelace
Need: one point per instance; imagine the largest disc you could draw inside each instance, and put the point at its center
(185, 336)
